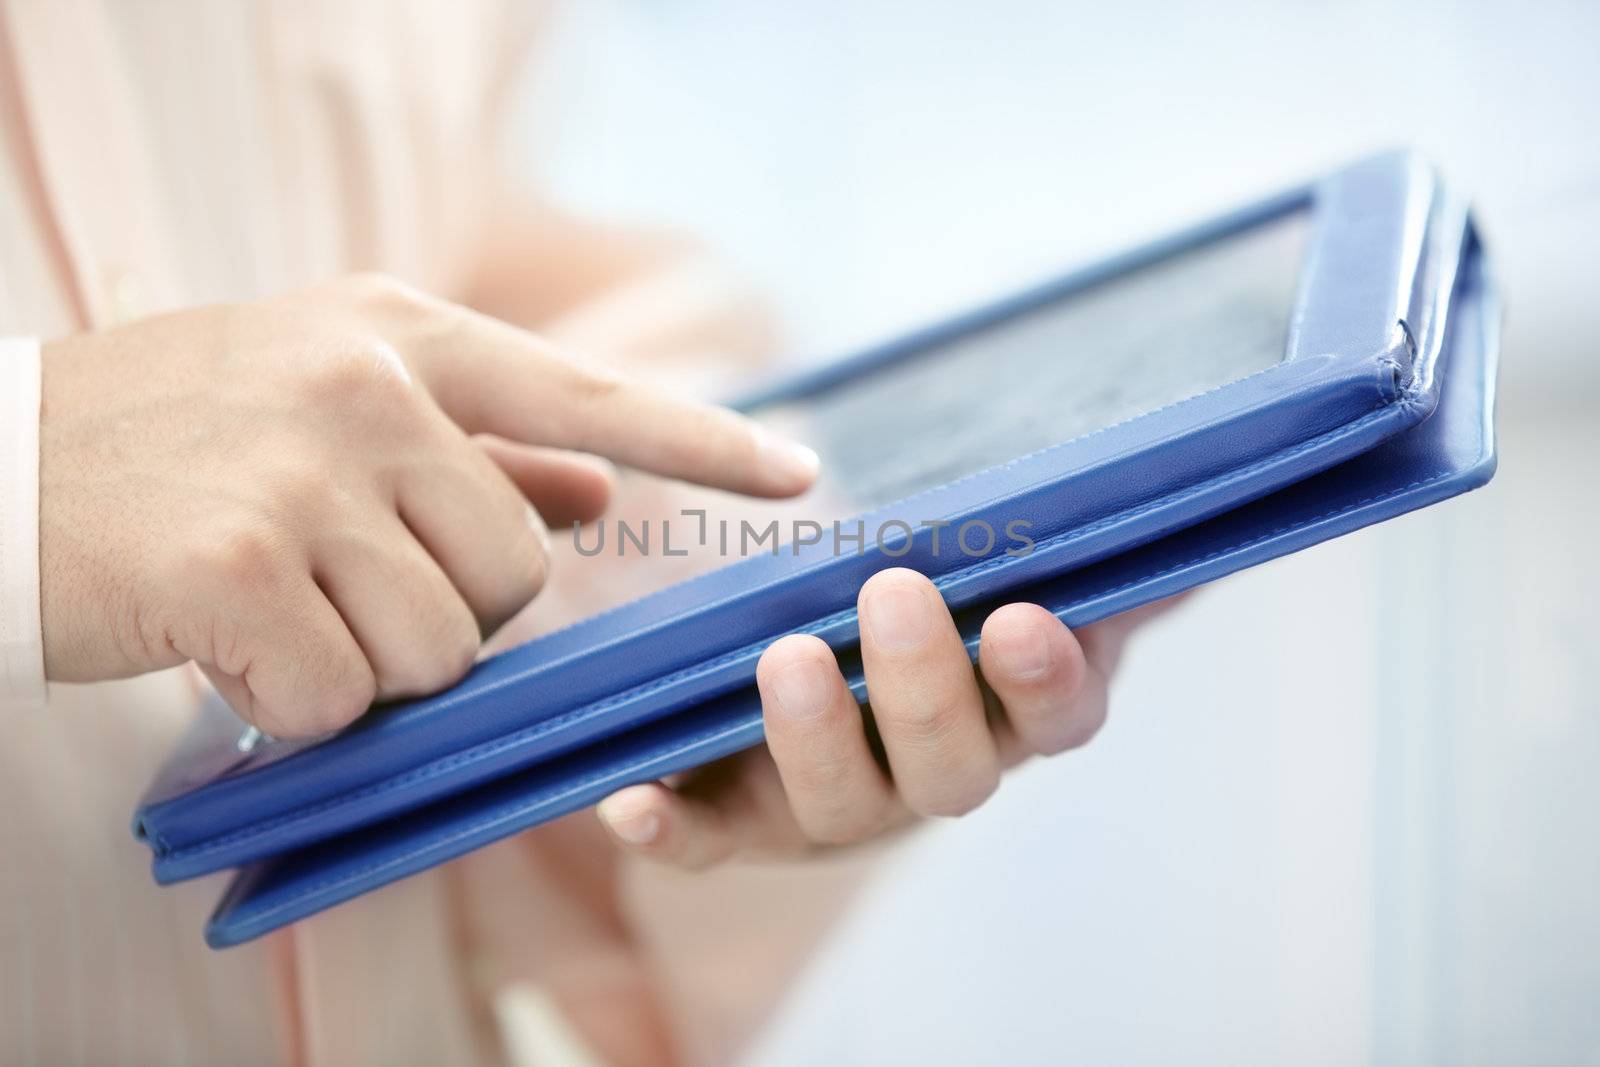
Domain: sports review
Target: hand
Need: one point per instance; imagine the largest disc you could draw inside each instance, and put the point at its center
(655, 302)
(285, 491)
(934, 741)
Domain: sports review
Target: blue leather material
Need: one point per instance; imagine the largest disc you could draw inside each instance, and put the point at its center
(1359, 369)
(1335, 436)
(1449, 453)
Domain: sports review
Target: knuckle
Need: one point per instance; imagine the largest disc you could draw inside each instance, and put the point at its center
(691, 451)
(357, 372)
(454, 651)
(382, 290)
(328, 706)
(437, 663)
(229, 648)
(521, 575)
(304, 501)
(457, 652)
(408, 676)
(343, 702)
(826, 777)
(350, 689)
(928, 724)
(598, 384)
(708, 440)
(245, 559)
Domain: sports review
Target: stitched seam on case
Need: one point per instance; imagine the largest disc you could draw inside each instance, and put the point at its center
(497, 745)
(576, 785)
(590, 779)
(1274, 533)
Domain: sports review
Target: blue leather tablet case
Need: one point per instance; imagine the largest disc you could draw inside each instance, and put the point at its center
(1382, 404)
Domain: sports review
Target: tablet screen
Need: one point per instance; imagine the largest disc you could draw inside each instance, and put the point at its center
(1166, 331)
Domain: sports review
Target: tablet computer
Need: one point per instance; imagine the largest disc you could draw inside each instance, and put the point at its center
(1257, 383)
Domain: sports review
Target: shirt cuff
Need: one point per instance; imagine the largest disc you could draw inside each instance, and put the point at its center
(21, 633)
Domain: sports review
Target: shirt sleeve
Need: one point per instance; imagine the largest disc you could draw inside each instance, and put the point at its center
(21, 634)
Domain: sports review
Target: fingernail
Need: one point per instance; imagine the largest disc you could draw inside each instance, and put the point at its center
(637, 827)
(791, 459)
(898, 618)
(1024, 655)
(801, 689)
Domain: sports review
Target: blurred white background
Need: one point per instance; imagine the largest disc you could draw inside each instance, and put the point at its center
(1344, 811)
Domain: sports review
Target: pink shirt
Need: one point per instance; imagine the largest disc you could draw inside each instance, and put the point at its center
(154, 156)
(162, 155)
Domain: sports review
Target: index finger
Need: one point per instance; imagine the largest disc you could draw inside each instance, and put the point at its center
(491, 377)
